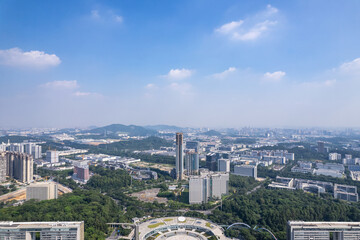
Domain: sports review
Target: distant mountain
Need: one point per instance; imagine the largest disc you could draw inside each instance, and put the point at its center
(212, 133)
(164, 128)
(131, 130)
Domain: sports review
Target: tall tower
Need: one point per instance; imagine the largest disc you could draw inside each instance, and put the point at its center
(179, 156)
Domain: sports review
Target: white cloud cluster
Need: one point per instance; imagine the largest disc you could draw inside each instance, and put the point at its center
(61, 84)
(68, 86)
(225, 73)
(179, 74)
(251, 28)
(351, 67)
(274, 77)
(107, 16)
(16, 57)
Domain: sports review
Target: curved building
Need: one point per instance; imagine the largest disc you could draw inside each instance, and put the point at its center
(175, 228)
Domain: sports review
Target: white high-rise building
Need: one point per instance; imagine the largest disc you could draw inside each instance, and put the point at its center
(334, 156)
(224, 165)
(52, 156)
(209, 185)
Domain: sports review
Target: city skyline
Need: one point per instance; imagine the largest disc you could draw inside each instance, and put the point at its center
(185, 63)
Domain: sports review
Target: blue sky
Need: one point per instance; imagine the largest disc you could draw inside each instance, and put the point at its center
(189, 63)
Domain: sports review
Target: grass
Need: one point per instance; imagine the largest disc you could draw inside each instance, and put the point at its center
(155, 225)
(168, 219)
(208, 225)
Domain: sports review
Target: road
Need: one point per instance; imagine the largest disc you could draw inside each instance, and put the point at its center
(254, 189)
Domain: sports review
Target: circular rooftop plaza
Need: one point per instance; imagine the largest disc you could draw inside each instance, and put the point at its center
(180, 228)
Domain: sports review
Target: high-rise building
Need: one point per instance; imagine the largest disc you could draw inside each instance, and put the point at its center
(179, 157)
(193, 145)
(42, 230)
(224, 165)
(211, 161)
(82, 173)
(334, 156)
(52, 156)
(16, 165)
(321, 147)
(206, 186)
(36, 151)
(191, 163)
(246, 170)
(3, 166)
(42, 191)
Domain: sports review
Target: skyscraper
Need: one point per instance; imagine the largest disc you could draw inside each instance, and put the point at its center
(179, 156)
(191, 163)
(16, 165)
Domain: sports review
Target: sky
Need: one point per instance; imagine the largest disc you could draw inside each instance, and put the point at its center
(190, 63)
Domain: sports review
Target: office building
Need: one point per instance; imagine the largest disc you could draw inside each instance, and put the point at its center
(206, 186)
(42, 230)
(179, 157)
(224, 165)
(52, 156)
(194, 145)
(345, 192)
(299, 230)
(246, 170)
(42, 191)
(211, 161)
(191, 163)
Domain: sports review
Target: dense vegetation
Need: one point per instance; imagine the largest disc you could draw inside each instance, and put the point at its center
(89, 206)
(273, 208)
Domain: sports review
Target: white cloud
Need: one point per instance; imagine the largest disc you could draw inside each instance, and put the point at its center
(178, 74)
(16, 57)
(182, 88)
(85, 94)
(229, 27)
(225, 73)
(150, 86)
(106, 16)
(61, 84)
(319, 84)
(251, 28)
(118, 19)
(351, 67)
(95, 14)
(274, 77)
(255, 32)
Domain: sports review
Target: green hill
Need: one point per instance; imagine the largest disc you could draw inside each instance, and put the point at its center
(131, 130)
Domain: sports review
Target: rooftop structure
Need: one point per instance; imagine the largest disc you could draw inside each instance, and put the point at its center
(44, 230)
(299, 230)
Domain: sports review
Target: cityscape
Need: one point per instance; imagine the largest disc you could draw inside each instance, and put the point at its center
(179, 120)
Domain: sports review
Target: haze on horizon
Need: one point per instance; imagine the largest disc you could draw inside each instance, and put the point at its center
(186, 63)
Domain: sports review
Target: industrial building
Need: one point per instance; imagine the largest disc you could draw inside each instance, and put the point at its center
(179, 157)
(246, 170)
(299, 230)
(42, 230)
(208, 185)
(42, 191)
